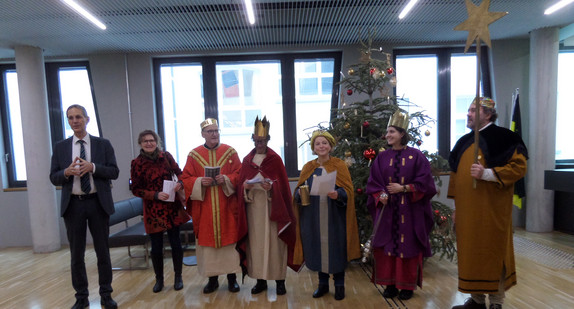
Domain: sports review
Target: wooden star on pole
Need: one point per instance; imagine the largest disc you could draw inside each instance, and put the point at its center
(477, 23)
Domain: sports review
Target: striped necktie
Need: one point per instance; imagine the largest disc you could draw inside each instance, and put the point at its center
(85, 180)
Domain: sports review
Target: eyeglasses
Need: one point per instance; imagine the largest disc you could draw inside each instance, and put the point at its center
(260, 141)
(212, 132)
(148, 141)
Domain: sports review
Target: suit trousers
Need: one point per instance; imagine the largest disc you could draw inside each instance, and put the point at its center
(80, 215)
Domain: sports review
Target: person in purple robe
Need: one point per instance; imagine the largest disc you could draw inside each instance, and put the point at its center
(399, 189)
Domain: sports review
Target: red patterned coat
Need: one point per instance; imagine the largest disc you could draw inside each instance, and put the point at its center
(147, 179)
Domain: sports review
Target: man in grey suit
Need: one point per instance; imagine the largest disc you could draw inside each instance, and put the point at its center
(84, 166)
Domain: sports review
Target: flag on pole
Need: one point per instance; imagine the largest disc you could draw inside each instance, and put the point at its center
(516, 126)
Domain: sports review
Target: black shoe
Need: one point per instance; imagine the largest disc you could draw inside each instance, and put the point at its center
(470, 304)
(281, 290)
(321, 290)
(158, 285)
(108, 302)
(259, 287)
(81, 303)
(406, 294)
(178, 283)
(211, 285)
(391, 291)
(233, 287)
(339, 292)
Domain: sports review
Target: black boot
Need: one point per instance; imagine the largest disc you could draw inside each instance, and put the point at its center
(211, 285)
(321, 290)
(281, 287)
(259, 287)
(391, 291)
(177, 258)
(157, 261)
(339, 292)
(233, 287)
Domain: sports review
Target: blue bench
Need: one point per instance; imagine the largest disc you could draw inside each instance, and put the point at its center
(131, 235)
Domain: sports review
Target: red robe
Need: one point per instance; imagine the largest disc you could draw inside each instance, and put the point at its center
(281, 210)
(214, 216)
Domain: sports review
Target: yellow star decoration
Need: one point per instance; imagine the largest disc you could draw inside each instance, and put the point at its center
(477, 23)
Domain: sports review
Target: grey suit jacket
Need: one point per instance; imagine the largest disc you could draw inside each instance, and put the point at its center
(103, 157)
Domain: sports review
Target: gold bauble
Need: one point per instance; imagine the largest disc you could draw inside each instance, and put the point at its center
(381, 74)
(427, 132)
(351, 71)
(382, 149)
(347, 125)
(347, 154)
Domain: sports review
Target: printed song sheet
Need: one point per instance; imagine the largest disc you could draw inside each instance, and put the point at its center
(324, 184)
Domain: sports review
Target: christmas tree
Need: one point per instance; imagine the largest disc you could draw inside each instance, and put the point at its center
(360, 127)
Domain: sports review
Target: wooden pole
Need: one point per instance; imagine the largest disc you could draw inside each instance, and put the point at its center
(477, 107)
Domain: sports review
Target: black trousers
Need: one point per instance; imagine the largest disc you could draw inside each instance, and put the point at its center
(80, 215)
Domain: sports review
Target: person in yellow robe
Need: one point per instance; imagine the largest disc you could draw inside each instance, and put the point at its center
(484, 213)
(327, 236)
(210, 177)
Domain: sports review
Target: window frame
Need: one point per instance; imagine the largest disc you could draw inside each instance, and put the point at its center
(55, 112)
(7, 131)
(287, 62)
(444, 85)
(564, 163)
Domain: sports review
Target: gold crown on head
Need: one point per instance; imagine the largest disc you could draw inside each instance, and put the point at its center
(485, 101)
(399, 119)
(208, 122)
(261, 127)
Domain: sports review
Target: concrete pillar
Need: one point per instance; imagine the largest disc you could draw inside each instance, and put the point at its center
(44, 212)
(543, 84)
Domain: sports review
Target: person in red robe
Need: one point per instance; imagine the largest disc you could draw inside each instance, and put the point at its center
(266, 219)
(210, 177)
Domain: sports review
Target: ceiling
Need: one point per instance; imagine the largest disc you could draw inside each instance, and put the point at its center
(178, 26)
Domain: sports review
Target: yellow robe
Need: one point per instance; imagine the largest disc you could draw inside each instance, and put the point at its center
(483, 222)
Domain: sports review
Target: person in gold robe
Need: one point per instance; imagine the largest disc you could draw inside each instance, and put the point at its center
(210, 177)
(327, 232)
(484, 211)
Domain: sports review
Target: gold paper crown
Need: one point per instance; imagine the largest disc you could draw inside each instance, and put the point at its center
(208, 122)
(399, 119)
(261, 127)
(485, 101)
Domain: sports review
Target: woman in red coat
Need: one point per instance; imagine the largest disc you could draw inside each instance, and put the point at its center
(148, 172)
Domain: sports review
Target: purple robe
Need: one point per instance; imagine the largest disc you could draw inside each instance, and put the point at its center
(407, 219)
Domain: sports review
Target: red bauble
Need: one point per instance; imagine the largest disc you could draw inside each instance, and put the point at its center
(390, 70)
(369, 154)
(372, 71)
(366, 124)
(419, 142)
(349, 91)
(436, 212)
(359, 191)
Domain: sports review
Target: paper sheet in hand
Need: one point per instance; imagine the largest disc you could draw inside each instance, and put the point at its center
(256, 179)
(169, 188)
(324, 184)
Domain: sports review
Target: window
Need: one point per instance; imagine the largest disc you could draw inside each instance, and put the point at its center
(565, 108)
(442, 84)
(419, 92)
(293, 91)
(67, 84)
(314, 94)
(12, 127)
(246, 90)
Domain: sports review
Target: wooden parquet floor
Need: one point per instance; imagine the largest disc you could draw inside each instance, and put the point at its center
(30, 280)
